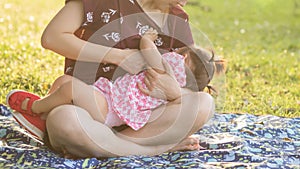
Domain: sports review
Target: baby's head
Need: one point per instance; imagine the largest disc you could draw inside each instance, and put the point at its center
(200, 66)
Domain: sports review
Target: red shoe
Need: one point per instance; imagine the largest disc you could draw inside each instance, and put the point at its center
(30, 121)
(34, 124)
(15, 99)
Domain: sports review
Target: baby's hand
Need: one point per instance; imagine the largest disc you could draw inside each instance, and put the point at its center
(151, 34)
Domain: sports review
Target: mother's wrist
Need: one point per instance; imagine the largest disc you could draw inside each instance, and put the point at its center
(113, 56)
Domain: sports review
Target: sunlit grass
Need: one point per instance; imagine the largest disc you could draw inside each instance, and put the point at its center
(24, 63)
(259, 38)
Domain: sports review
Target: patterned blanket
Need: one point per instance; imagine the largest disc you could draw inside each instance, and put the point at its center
(230, 141)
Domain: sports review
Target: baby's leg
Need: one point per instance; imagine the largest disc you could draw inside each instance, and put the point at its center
(78, 93)
(59, 81)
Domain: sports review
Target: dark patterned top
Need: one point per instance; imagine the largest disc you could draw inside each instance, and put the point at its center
(120, 24)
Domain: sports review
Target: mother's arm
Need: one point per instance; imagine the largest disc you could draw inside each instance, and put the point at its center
(59, 37)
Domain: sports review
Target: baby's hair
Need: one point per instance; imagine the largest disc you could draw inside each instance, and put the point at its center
(206, 66)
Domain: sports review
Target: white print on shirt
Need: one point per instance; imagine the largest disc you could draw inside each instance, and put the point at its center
(89, 16)
(121, 18)
(106, 69)
(142, 29)
(115, 36)
(105, 16)
(158, 41)
(131, 1)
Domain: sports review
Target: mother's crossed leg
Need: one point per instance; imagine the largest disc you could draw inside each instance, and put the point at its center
(175, 121)
(72, 128)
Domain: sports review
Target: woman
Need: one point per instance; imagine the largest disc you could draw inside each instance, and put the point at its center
(171, 125)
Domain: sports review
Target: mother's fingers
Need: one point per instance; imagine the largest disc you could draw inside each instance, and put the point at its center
(168, 68)
(151, 73)
(143, 90)
(148, 83)
(151, 76)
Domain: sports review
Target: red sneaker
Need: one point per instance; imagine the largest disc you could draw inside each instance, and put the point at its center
(15, 99)
(34, 124)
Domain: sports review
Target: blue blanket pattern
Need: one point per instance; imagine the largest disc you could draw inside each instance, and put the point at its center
(229, 141)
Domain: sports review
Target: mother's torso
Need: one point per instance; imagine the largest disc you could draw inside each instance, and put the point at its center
(120, 24)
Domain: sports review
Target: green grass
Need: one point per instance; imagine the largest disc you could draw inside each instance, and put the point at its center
(24, 64)
(259, 39)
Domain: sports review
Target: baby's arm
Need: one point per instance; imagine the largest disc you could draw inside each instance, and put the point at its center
(150, 51)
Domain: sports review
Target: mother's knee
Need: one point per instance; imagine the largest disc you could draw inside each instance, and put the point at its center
(202, 100)
(63, 125)
(67, 126)
(205, 108)
(60, 115)
(207, 104)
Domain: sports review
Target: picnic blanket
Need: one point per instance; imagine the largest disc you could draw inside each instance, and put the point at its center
(229, 141)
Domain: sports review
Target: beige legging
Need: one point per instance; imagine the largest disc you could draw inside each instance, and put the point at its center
(73, 129)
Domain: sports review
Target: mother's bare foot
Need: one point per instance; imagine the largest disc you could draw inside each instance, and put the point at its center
(188, 144)
(67, 155)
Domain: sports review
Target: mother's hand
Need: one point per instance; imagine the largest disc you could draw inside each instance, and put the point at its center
(163, 86)
(132, 61)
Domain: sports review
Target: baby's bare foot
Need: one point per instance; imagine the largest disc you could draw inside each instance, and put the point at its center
(188, 144)
(25, 105)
